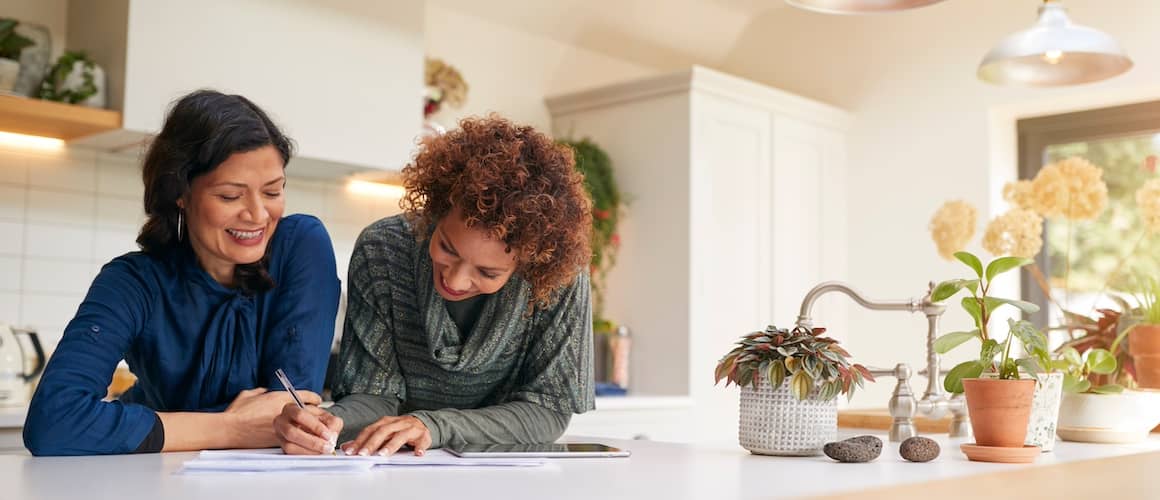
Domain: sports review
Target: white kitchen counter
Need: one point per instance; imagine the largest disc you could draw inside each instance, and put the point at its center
(655, 470)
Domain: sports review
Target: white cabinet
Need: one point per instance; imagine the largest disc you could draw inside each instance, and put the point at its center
(737, 208)
(342, 77)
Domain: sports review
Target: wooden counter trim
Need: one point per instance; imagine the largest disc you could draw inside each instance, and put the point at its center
(881, 420)
(1128, 476)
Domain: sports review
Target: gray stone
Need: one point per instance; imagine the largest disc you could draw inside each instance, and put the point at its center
(854, 450)
(919, 449)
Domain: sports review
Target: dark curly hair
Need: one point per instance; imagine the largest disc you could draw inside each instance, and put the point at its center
(201, 131)
(514, 183)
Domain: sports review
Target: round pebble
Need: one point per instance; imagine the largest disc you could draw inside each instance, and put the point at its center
(919, 449)
(854, 450)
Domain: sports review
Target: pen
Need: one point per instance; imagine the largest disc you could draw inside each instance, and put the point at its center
(294, 394)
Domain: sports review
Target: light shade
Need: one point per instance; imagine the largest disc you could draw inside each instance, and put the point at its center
(859, 6)
(1054, 52)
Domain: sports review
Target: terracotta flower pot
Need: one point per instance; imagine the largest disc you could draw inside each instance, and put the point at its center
(1144, 343)
(999, 410)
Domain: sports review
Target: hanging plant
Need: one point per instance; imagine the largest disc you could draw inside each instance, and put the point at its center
(596, 167)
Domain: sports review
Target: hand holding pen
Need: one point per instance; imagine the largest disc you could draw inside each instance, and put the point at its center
(305, 430)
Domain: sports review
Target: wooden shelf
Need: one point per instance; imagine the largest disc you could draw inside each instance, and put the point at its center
(24, 115)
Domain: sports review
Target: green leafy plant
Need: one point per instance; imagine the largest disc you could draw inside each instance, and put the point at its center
(596, 167)
(1149, 306)
(1078, 370)
(53, 88)
(802, 355)
(994, 357)
(11, 42)
(1106, 334)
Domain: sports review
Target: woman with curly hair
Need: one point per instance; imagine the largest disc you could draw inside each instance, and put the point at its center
(468, 316)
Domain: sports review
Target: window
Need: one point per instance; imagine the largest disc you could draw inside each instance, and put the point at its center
(1080, 257)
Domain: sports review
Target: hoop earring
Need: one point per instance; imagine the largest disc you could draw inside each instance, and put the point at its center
(179, 224)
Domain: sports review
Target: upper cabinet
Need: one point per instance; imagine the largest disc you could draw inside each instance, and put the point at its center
(736, 209)
(342, 77)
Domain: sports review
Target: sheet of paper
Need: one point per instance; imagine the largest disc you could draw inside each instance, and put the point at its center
(404, 458)
(200, 466)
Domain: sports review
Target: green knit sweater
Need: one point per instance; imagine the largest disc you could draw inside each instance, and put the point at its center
(514, 378)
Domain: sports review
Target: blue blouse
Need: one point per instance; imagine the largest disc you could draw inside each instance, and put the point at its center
(192, 343)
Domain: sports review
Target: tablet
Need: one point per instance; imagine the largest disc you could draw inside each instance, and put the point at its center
(550, 450)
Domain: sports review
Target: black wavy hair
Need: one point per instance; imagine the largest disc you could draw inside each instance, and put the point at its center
(201, 131)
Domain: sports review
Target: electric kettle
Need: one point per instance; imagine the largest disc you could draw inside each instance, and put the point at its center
(15, 382)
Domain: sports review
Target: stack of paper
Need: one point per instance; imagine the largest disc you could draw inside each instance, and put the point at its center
(273, 460)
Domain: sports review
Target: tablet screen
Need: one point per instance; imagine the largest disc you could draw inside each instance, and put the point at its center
(537, 450)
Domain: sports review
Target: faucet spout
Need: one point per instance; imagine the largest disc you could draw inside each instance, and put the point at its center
(804, 318)
(903, 405)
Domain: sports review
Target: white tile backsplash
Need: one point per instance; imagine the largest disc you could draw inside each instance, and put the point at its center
(57, 276)
(48, 311)
(112, 243)
(71, 172)
(59, 241)
(119, 213)
(11, 238)
(119, 177)
(13, 169)
(12, 201)
(61, 207)
(11, 270)
(10, 308)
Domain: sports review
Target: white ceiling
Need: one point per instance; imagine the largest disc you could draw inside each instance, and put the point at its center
(668, 34)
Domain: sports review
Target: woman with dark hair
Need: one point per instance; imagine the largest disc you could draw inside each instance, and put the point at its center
(468, 316)
(224, 292)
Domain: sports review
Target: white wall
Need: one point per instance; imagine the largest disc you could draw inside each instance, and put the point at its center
(510, 72)
(926, 131)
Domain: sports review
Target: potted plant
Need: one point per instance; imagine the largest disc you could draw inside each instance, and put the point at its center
(789, 380)
(11, 45)
(1144, 339)
(999, 400)
(1105, 413)
(74, 79)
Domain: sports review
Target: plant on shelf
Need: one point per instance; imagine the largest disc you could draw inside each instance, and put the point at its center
(802, 355)
(790, 381)
(11, 42)
(56, 85)
(600, 183)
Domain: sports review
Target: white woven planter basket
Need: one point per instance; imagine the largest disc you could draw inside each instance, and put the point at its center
(776, 423)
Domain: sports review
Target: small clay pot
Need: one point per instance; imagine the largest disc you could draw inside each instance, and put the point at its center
(999, 410)
(1144, 343)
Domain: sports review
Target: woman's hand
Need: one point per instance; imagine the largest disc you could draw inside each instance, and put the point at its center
(388, 434)
(309, 431)
(251, 413)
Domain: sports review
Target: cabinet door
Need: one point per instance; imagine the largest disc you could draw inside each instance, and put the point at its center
(730, 217)
(808, 220)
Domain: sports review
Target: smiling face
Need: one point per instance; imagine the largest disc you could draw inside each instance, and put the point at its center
(231, 212)
(466, 261)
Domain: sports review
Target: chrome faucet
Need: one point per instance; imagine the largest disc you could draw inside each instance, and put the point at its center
(935, 401)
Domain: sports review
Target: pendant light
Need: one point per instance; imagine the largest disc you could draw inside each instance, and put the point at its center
(859, 6)
(1054, 52)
